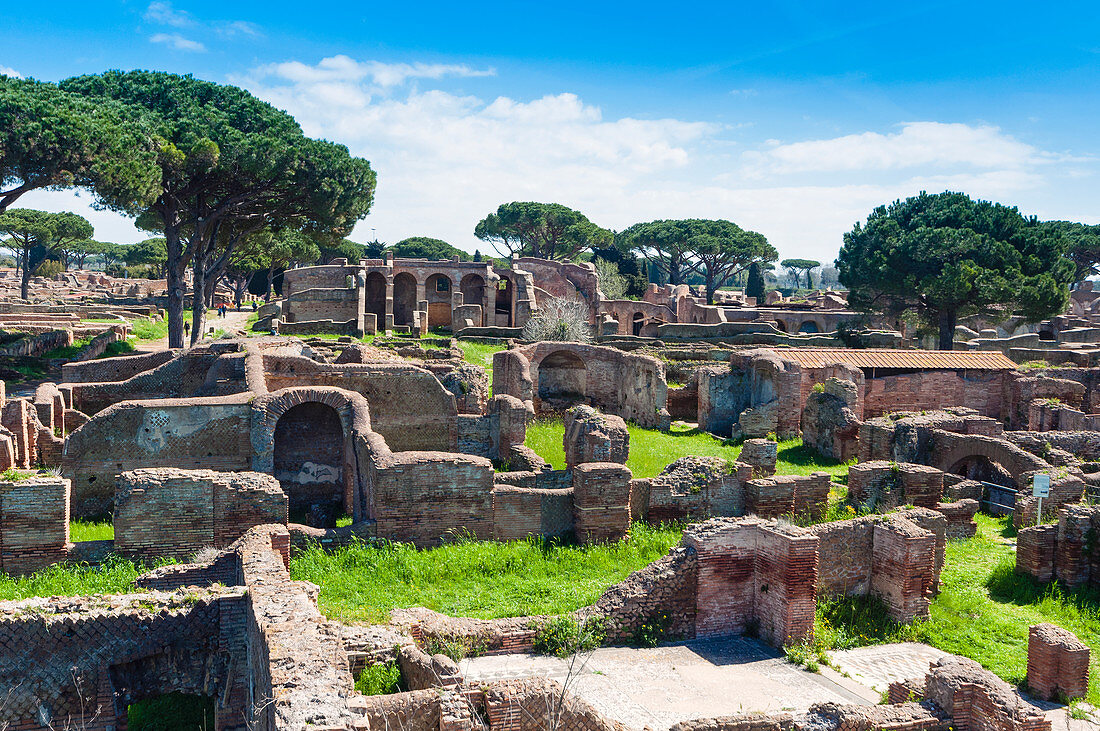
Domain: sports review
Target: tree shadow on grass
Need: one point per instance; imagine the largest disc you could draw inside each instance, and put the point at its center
(1007, 586)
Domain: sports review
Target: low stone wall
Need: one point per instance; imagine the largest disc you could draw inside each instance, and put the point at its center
(114, 369)
(794, 495)
(34, 523)
(519, 512)
(882, 485)
(165, 512)
(601, 501)
(38, 344)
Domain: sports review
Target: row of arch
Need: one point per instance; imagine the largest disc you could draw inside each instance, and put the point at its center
(438, 289)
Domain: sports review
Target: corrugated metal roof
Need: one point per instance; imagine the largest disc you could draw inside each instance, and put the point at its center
(886, 358)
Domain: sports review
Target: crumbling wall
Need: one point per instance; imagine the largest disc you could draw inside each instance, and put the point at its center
(34, 523)
(594, 437)
(1022, 390)
(881, 486)
(601, 501)
(693, 488)
(1057, 663)
(165, 512)
(794, 495)
(829, 423)
(196, 433)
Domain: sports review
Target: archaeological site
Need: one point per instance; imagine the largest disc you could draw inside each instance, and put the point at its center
(401, 403)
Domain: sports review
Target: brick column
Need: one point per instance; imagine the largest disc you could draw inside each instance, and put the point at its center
(601, 501)
(1057, 663)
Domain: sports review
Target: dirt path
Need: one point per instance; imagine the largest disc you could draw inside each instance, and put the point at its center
(234, 323)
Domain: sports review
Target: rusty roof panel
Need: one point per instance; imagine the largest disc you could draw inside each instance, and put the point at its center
(886, 358)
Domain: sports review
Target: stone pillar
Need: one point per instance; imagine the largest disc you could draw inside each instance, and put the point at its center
(422, 307)
(1057, 663)
(489, 315)
(601, 501)
(389, 303)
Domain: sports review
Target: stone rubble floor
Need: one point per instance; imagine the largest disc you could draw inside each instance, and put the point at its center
(657, 687)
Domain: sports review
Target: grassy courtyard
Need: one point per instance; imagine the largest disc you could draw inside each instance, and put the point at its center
(652, 450)
(983, 610)
(362, 583)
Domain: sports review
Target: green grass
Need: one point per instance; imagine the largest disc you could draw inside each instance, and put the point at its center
(652, 450)
(119, 347)
(115, 576)
(150, 329)
(480, 354)
(68, 352)
(91, 530)
(983, 610)
(484, 579)
(171, 712)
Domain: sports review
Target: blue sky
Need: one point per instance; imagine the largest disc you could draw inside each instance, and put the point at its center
(794, 119)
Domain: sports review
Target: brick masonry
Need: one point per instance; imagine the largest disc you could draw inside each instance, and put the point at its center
(1057, 663)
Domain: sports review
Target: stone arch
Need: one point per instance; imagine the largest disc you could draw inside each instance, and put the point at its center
(375, 295)
(472, 287)
(309, 455)
(952, 452)
(637, 323)
(404, 298)
(562, 379)
(809, 326)
(325, 403)
(781, 326)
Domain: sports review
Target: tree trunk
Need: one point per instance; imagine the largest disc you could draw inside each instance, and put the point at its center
(198, 299)
(270, 284)
(25, 277)
(176, 266)
(948, 319)
(710, 288)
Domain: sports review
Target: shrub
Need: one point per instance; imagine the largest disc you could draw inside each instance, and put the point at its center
(564, 636)
(559, 319)
(379, 679)
(49, 269)
(652, 630)
(454, 647)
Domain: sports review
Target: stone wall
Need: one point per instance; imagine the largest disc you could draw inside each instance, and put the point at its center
(692, 488)
(1064, 551)
(519, 512)
(34, 523)
(829, 423)
(165, 512)
(559, 375)
(594, 437)
(601, 501)
(196, 433)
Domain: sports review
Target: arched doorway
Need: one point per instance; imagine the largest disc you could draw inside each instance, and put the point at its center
(562, 380)
(375, 295)
(782, 326)
(473, 290)
(504, 303)
(809, 326)
(404, 298)
(309, 456)
(437, 290)
(637, 323)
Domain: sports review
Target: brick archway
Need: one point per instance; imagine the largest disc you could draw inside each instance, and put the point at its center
(352, 411)
(950, 450)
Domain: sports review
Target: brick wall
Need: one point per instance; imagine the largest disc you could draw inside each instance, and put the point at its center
(930, 390)
(594, 437)
(845, 550)
(34, 523)
(601, 501)
(166, 512)
(754, 575)
(1057, 663)
(903, 572)
(519, 512)
(802, 495)
(1035, 548)
(197, 433)
(882, 485)
(423, 497)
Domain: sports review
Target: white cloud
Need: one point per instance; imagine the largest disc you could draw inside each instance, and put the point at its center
(933, 144)
(178, 42)
(9, 71)
(446, 158)
(162, 13)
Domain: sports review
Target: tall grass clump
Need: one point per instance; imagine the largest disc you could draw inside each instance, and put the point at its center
(115, 576)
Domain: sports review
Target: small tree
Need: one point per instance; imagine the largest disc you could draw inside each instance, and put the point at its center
(38, 235)
(755, 285)
(558, 318)
(425, 247)
(612, 284)
(795, 267)
(152, 253)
